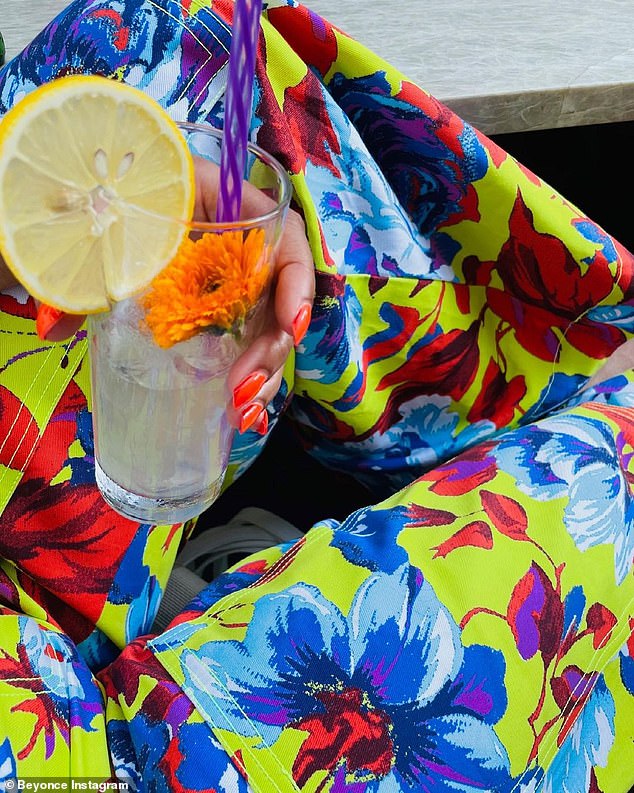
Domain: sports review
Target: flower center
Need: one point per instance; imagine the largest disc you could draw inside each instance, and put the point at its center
(349, 728)
(211, 284)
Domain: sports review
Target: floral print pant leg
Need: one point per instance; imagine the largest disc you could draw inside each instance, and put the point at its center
(461, 637)
(456, 633)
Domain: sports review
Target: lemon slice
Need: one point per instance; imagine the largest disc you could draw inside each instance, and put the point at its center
(95, 183)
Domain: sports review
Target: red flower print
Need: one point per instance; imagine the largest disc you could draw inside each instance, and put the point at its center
(464, 473)
(535, 614)
(311, 37)
(19, 429)
(16, 308)
(546, 291)
(499, 399)
(348, 729)
(301, 125)
(418, 515)
(506, 514)
(63, 537)
(477, 534)
(601, 622)
(445, 365)
(571, 690)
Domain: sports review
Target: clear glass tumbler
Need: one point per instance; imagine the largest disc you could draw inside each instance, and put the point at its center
(162, 439)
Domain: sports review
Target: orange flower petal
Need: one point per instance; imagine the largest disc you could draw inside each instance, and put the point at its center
(213, 281)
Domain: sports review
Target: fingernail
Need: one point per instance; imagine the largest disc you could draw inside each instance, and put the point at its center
(250, 415)
(47, 318)
(301, 323)
(261, 424)
(248, 388)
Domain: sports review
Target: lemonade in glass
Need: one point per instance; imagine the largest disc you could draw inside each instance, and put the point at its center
(159, 360)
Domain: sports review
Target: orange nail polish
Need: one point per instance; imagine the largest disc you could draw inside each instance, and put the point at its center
(301, 323)
(249, 416)
(47, 318)
(248, 388)
(261, 424)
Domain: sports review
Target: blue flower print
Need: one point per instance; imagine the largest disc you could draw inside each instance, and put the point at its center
(587, 744)
(140, 593)
(365, 228)
(149, 741)
(626, 662)
(577, 457)
(386, 695)
(8, 767)
(64, 676)
(367, 538)
(220, 774)
(64, 696)
(429, 177)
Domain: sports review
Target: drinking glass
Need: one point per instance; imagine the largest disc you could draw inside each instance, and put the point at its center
(161, 434)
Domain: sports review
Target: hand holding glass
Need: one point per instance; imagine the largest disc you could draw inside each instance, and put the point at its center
(162, 438)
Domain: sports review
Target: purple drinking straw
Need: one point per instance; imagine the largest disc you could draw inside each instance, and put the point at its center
(239, 95)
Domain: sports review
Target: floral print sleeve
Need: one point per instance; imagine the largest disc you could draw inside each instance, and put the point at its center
(471, 630)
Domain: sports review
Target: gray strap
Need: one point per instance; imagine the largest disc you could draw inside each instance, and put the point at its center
(182, 586)
(251, 530)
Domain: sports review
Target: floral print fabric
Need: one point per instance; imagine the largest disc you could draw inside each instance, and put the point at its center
(473, 629)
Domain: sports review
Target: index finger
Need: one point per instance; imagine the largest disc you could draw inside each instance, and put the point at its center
(295, 273)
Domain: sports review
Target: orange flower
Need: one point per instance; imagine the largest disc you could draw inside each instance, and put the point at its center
(212, 282)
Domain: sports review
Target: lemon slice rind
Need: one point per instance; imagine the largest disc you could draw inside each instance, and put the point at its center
(96, 186)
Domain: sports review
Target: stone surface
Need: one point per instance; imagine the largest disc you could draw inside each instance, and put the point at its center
(20, 20)
(504, 66)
